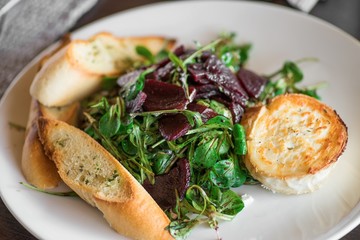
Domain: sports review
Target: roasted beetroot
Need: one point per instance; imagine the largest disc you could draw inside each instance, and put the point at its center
(166, 68)
(253, 83)
(213, 79)
(206, 113)
(166, 185)
(206, 91)
(164, 96)
(237, 111)
(136, 104)
(173, 126)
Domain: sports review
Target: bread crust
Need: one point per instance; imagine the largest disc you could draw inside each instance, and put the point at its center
(58, 83)
(293, 142)
(77, 70)
(37, 168)
(127, 207)
(72, 72)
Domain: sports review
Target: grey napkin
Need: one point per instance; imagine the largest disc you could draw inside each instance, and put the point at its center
(30, 26)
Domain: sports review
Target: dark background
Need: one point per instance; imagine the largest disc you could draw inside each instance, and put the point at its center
(343, 14)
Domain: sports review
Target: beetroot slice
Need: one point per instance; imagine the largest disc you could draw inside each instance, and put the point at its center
(173, 126)
(164, 96)
(253, 83)
(163, 191)
(206, 91)
(237, 111)
(136, 104)
(213, 71)
(206, 113)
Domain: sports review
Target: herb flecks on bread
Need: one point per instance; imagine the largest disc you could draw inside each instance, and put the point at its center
(77, 70)
(97, 177)
(37, 168)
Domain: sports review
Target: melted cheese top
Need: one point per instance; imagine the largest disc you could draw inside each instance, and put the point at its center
(295, 135)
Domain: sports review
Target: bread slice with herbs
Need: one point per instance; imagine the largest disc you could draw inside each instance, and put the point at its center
(77, 69)
(293, 143)
(37, 168)
(97, 177)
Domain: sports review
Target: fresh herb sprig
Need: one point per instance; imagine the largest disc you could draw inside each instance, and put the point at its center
(180, 74)
(214, 148)
(134, 139)
(210, 208)
(234, 56)
(215, 168)
(286, 80)
(62, 194)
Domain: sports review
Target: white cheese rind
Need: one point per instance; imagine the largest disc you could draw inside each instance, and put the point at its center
(293, 143)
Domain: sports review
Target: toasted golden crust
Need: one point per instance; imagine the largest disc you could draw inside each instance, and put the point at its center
(138, 218)
(293, 137)
(77, 70)
(105, 54)
(97, 177)
(37, 168)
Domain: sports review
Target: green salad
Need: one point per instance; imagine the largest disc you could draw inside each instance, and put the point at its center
(173, 120)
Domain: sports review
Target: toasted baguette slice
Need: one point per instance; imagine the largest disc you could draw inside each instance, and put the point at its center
(76, 70)
(293, 143)
(97, 177)
(37, 168)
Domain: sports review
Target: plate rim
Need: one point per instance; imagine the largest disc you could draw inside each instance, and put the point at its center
(348, 223)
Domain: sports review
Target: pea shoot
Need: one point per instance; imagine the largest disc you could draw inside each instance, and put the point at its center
(214, 147)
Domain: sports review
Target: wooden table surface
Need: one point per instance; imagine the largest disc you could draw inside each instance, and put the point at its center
(344, 14)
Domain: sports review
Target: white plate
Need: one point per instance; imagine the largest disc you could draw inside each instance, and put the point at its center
(277, 34)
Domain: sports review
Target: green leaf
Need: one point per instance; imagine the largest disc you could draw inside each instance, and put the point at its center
(227, 173)
(143, 157)
(161, 161)
(291, 70)
(233, 55)
(177, 61)
(311, 93)
(220, 109)
(240, 176)
(194, 118)
(244, 53)
(138, 85)
(197, 198)
(220, 121)
(198, 52)
(239, 139)
(226, 57)
(180, 229)
(102, 105)
(215, 193)
(161, 55)
(223, 174)
(108, 83)
(146, 53)
(205, 155)
(62, 194)
(109, 124)
(128, 147)
(231, 204)
(286, 79)
(224, 145)
(127, 125)
(181, 72)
